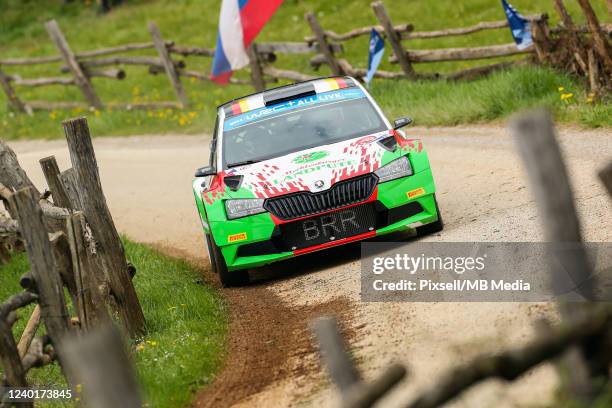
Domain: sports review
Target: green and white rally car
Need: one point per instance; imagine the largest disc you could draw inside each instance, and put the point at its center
(306, 167)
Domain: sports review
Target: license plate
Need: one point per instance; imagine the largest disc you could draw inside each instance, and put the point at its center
(329, 227)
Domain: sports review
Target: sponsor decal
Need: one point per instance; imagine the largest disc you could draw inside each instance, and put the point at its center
(237, 237)
(415, 193)
(309, 157)
(261, 113)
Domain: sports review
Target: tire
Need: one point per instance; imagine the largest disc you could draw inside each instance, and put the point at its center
(211, 253)
(434, 227)
(227, 278)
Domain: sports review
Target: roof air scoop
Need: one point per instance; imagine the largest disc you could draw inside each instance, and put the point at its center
(288, 93)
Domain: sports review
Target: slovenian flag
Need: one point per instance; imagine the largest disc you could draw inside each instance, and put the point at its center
(239, 23)
(375, 54)
(521, 32)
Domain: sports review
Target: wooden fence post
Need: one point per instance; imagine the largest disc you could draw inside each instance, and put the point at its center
(42, 262)
(108, 243)
(89, 305)
(601, 45)
(323, 45)
(257, 75)
(394, 38)
(11, 174)
(164, 55)
(11, 95)
(51, 171)
(69, 185)
(99, 362)
(14, 371)
(80, 77)
(541, 39)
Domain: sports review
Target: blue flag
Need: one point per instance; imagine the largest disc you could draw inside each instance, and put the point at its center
(519, 26)
(375, 54)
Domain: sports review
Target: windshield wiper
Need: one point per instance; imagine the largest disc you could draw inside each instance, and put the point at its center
(242, 163)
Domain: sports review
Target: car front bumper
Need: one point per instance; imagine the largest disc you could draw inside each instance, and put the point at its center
(400, 205)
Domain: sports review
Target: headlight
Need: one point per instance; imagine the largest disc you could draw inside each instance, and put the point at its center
(396, 169)
(242, 208)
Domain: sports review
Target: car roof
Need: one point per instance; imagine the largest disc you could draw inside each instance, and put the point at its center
(286, 92)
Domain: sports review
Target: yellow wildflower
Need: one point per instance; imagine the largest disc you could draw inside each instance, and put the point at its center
(140, 347)
(182, 121)
(97, 113)
(561, 89)
(566, 96)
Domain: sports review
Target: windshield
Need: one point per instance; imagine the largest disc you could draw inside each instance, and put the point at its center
(285, 128)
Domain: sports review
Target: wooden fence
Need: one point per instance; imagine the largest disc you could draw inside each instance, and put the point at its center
(582, 338)
(71, 243)
(590, 58)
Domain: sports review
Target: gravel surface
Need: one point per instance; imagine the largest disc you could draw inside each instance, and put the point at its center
(483, 196)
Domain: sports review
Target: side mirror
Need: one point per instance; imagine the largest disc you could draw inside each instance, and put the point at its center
(401, 122)
(206, 171)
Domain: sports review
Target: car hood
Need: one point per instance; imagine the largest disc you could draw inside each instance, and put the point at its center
(315, 169)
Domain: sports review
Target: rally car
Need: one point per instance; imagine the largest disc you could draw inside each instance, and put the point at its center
(306, 167)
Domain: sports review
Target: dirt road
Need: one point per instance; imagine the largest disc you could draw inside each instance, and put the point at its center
(483, 196)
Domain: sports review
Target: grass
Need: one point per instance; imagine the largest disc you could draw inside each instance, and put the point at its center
(194, 22)
(186, 327)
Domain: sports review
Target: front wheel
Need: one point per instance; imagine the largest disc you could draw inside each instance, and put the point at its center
(228, 278)
(434, 227)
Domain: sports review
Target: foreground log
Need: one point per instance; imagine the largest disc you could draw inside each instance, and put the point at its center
(535, 136)
(511, 364)
(99, 363)
(109, 247)
(355, 392)
(42, 261)
(538, 147)
(605, 175)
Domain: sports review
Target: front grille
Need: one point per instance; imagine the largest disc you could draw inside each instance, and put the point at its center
(305, 203)
(329, 227)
